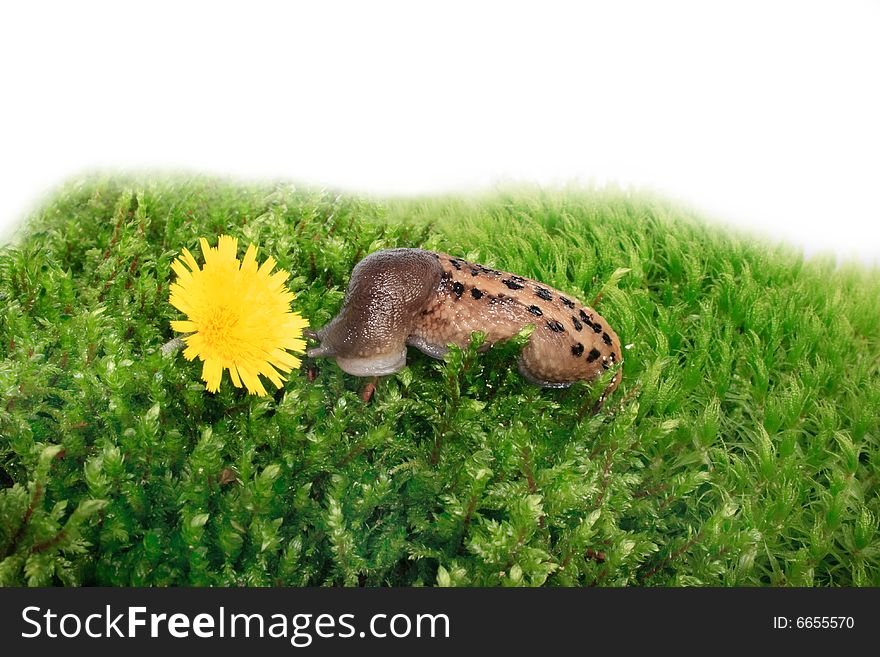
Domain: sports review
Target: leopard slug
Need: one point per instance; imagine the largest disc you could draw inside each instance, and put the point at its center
(412, 297)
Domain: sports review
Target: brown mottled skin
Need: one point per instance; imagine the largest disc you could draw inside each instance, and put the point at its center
(401, 297)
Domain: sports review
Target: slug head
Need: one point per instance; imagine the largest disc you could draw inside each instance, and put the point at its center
(386, 291)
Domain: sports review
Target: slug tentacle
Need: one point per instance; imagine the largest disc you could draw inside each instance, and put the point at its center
(320, 352)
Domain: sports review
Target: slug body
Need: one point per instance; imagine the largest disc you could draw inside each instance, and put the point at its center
(411, 297)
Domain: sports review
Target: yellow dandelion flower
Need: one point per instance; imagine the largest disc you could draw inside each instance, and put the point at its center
(238, 315)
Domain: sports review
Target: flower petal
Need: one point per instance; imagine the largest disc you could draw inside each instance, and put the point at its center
(238, 314)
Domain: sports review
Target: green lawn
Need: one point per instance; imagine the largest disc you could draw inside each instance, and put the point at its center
(742, 448)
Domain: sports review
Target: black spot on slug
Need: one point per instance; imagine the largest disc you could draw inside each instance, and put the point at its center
(544, 294)
(577, 349)
(518, 279)
(476, 294)
(513, 285)
(555, 326)
(593, 355)
(613, 357)
(455, 263)
(474, 272)
(458, 288)
(577, 325)
(535, 310)
(584, 318)
(606, 338)
(567, 302)
(597, 328)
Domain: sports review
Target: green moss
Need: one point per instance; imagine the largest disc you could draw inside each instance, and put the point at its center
(740, 449)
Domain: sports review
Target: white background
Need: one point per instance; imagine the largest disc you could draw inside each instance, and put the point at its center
(765, 114)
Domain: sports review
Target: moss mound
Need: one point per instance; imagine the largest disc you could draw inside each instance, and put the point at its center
(740, 449)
